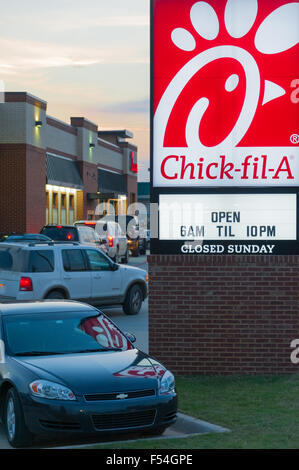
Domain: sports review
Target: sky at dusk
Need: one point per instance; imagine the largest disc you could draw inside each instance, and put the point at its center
(86, 59)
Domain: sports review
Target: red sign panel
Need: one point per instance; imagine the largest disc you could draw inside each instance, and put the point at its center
(226, 93)
(133, 162)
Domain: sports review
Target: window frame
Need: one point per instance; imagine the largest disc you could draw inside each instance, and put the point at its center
(71, 270)
(30, 253)
(100, 254)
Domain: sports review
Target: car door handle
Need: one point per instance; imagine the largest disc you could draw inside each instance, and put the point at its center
(97, 276)
(67, 277)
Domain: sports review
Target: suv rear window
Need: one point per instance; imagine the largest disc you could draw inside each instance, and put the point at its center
(11, 259)
(61, 234)
(41, 261)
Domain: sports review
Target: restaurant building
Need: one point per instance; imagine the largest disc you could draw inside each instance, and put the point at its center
(54, 172)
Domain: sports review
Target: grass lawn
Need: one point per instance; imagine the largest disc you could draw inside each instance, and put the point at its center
(261, 412)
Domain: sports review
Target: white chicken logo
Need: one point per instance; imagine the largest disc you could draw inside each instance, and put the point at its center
(277, 33)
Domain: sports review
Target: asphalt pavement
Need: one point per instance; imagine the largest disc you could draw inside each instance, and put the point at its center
(136, 324)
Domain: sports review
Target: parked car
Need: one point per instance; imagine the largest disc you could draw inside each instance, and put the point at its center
(111, 234)
(25, 237)
(66, 368)
(71, 233)
(35, 271)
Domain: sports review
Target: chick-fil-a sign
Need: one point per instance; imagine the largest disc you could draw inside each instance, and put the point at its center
(225, 82)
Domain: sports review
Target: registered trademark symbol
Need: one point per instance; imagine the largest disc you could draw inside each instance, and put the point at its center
(294, 138)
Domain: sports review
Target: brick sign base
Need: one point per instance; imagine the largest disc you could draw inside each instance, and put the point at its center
(224, 314)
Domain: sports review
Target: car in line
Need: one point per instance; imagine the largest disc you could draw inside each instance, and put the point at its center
(130, 226)
(71, 233)
(127, 225)
(111, 236)
(25, 237)
(66, 368)
(39, 270)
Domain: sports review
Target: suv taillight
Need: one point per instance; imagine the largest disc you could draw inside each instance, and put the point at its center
(110, 241)
(26, 284)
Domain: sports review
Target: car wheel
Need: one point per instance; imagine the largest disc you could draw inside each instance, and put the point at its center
(125, 259)
(135, 252)
(142, 249)
(116, 257)
(55, 294)
(133, 300)
(16, 431)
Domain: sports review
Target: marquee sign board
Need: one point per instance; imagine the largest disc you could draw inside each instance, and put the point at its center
(228, 216)
(209, 219)
(225, 97)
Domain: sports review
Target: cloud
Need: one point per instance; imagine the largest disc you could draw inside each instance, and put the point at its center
(105, 21)
(128, 107)
(18, 55)
(126, 21)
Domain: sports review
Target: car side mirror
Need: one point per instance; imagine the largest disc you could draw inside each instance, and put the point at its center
(130, 337)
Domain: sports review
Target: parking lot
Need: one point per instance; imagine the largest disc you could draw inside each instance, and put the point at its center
(136, 324)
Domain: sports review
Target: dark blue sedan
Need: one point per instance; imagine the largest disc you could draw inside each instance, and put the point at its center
(66, 368)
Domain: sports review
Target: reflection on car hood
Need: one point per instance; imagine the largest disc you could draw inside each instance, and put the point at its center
(126, 267)
(97, 372)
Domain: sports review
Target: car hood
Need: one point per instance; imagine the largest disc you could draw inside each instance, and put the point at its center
(133, 269)
(101, 372)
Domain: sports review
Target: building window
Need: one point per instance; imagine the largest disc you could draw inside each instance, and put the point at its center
(63, 208)
(61, 205)
(90, 215)
(55, 208)
(47, 207)
(55, 200)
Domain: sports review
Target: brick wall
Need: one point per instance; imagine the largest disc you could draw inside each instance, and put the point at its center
(224, 314)
(12, 187)
(89, 175)
(35, 189)
(22, 188)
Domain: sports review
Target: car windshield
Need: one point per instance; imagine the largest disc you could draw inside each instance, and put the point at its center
(61, 234)
(61, 333)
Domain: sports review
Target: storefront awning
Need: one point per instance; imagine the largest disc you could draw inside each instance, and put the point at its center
(111, 183)
(63, 172)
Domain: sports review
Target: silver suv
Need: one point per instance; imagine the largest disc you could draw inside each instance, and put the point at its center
(37, 270)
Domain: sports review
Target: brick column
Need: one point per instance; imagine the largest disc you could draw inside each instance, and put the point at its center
(22, 188)
(89, 175)
(224, 314)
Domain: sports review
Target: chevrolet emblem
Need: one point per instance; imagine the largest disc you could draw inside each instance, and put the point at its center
(121, 396)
